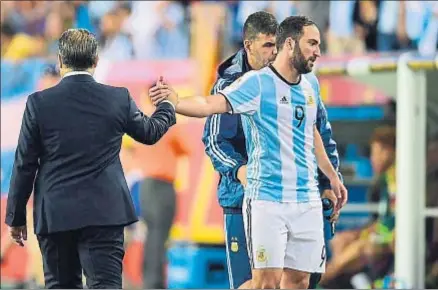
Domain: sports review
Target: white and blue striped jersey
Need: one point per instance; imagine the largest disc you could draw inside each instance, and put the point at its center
(278, 119)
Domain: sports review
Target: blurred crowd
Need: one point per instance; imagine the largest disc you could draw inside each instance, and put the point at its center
(161, 29)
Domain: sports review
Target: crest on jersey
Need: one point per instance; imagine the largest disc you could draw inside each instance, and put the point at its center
(261, 255)
(234, 247)
(234, 244)
(236, 83)
(310, 100)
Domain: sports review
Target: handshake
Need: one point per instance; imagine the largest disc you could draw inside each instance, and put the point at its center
(162, 91)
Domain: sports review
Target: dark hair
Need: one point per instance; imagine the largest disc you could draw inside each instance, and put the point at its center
(259, 22)
(385, 135)
(292, 27)
(7, 29)
(78, 49)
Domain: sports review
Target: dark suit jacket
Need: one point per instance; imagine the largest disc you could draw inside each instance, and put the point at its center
(70, 139)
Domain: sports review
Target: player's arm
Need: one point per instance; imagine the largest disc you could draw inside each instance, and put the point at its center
(196, 106)
(203, 106)
(219, 131)
(325, 130)
(327, 168)
(321, 157)
(242, 96)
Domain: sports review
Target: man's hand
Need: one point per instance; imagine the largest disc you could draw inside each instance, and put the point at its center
(241, 175)
(330, 194)
(162, 91)
(340, 192)
(18, 234)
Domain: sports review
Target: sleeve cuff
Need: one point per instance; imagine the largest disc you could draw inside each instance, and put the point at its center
(228, 101)
(235, 170)
(166, 101)
(234, 173)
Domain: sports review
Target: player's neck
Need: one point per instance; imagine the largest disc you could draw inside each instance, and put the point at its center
(286, 71)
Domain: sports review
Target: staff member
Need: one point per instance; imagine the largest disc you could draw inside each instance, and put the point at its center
(68, 152)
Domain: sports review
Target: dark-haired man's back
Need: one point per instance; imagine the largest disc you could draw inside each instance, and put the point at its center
(70, 139)
(68, 154)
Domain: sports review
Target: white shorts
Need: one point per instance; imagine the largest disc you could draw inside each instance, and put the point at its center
(285, 235)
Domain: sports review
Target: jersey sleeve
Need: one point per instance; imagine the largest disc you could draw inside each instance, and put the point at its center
(243, 95)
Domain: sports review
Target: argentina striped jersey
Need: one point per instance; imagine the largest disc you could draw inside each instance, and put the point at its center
(278, 119)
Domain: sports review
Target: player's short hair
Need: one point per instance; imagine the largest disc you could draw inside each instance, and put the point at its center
(292, 26)
(385, 135)
(78, 49)
(259, 22)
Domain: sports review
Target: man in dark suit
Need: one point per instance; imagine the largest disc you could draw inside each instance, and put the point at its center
(68, 152)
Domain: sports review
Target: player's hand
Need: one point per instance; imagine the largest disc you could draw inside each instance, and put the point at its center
(241, 175)
(340, 192)
(18, 234)
(162, 91)
(330, 194)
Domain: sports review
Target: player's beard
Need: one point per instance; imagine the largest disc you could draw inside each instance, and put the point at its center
(299, 62)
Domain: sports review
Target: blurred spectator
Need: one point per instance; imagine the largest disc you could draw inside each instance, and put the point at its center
(408, 25)
(280, 9)
(428, 42)
(365, 19)
(158, 164)
(318, 11)
(233, 30)
(240, 10)
(19, 46)
(97, 9)
(7, 34)
(27, 16)
(6, 8)
(82, 16)
(414, 19)
(54, 27)
(370, 249)
(387, 26)
(114, 44)
(66, 10)
(173, 37)
(343, 36)
(158, 31)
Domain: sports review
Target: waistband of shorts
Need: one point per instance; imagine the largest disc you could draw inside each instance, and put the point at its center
(232, 210)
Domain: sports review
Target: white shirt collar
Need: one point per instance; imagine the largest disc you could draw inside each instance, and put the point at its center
(73, 73)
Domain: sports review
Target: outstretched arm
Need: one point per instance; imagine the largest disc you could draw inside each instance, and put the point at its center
(242, 96)
(196, 106)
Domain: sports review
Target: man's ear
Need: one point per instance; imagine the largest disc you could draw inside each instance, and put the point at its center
(59, 61)
(247, 45)
(291, 43)
(96, 61)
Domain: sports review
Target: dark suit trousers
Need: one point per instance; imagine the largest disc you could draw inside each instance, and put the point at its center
(98, 251)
